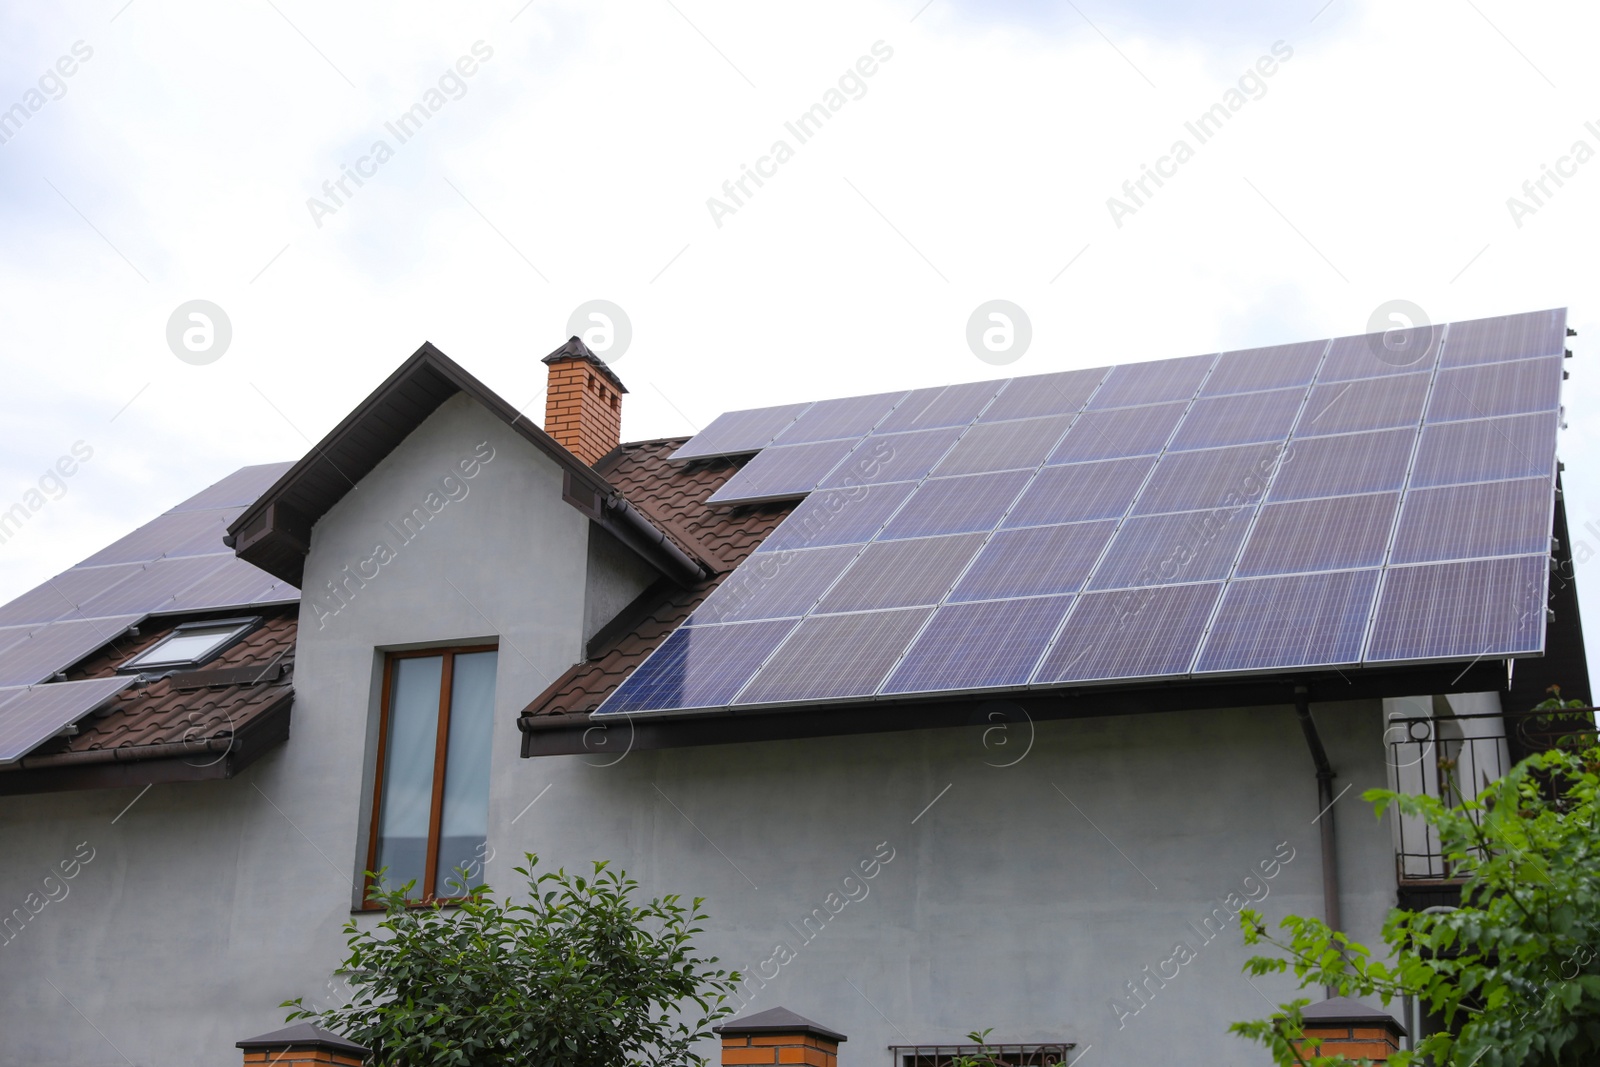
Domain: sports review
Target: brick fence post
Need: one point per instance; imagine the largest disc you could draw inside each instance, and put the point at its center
(775, 1037)
(303, 1045)
(1349, 1028)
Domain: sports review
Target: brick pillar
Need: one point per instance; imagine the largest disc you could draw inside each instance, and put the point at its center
(1349, 1028)
(302, 1045)
(583, 402)
(778, 1036)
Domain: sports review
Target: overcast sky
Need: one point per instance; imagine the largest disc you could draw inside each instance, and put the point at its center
(177, 159)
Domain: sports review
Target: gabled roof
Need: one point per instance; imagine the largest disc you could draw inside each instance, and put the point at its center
(275, 532)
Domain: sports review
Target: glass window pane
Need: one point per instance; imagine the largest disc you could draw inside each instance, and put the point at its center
(465, 823)
(407, 803)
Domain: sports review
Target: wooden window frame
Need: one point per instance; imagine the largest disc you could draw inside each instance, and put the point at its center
(440, 756)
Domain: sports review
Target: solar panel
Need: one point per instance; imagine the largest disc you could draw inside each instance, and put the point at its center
(1190, 546)
(838, 516)
(60, 596)
(1521, 446)
(979, 646)
(1330, 533)
(160, 535)
(966, 504)
(1218, 477)
(1369, 404)
(56, 646)
(893, 457)
(830, 420)
(1045, 394)
(1151, 383)
(782, 472)
(1470, 610)
(1297, 620)
(1344, 465)
(1003, 446)
(30, 717)
(1140, 431)
(780, 585)
(207, 540)
(1379, 355)
(238, 490)
(737, 432)
(156, 587)
(236, 584)
(953, 405)
(1035, 560)
(1245, 418)
(1518, 388)
(1134, 633)
(698, 667)
(1080, 491)
(895, 574)
(1255, 369)
(1468, 521)
(1537, 333)
(833, 656)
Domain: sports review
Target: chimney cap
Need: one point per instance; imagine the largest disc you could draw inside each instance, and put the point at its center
(576, 349)
(778, 1021)
(1347, 1012)
(301, 1035)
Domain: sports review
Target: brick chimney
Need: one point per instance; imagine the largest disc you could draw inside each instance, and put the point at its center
(778, 1036)
(583, 402)
(302, 1045)
(1349, 1028)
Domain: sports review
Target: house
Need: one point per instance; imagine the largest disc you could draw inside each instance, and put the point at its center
(985, 706)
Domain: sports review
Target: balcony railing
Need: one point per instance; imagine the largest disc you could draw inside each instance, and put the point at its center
(1047, 1054)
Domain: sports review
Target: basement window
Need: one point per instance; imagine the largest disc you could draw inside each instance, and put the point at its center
(190, 645)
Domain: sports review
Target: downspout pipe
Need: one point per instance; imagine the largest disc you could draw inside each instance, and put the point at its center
(1330, 852)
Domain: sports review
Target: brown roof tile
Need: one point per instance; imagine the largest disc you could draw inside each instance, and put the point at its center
(675, 494)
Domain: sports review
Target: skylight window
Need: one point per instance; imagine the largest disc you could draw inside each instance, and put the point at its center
(190, 645)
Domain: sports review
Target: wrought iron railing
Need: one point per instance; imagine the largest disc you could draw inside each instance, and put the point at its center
(1013, 1054)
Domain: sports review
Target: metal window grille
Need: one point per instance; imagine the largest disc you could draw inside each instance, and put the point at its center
(1007, 1054)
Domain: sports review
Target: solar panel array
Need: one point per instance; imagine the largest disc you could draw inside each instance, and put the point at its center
(176, 563)
(32, 715)
(1326, 504)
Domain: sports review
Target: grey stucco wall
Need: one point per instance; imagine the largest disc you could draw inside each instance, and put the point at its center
(1022, 899)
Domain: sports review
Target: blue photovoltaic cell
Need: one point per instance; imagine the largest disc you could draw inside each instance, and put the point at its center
(1152, 383)
(1300, 620)
(736, 432)
(1254, 369)
(1242, 419)
(838, 516)
(1003, 446)
(1345, 465)
(1140, 431)
(1497, 389)
(1135, 633)
(157, 587)
(1468, 521)
(236, 584)
(834, 656)
(970, 503)
(57, 646)
(1080, 491)
(1369, 404)
(1045, 394)
(1378, 355)
(697, 667)
(953, 405)
(897, 574)
(782, 471)
(238, 490)
(1191, 546)
(206, 541)
(776, 586)
(893, 457)
(30, 717)
(828, 420)
(979, 646)
(60, 596)
(1332, 533)
(1487, 607)
(1218, 477)
(1035, 560)
(1522, 446)
(159, 536)
(1537, 333)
